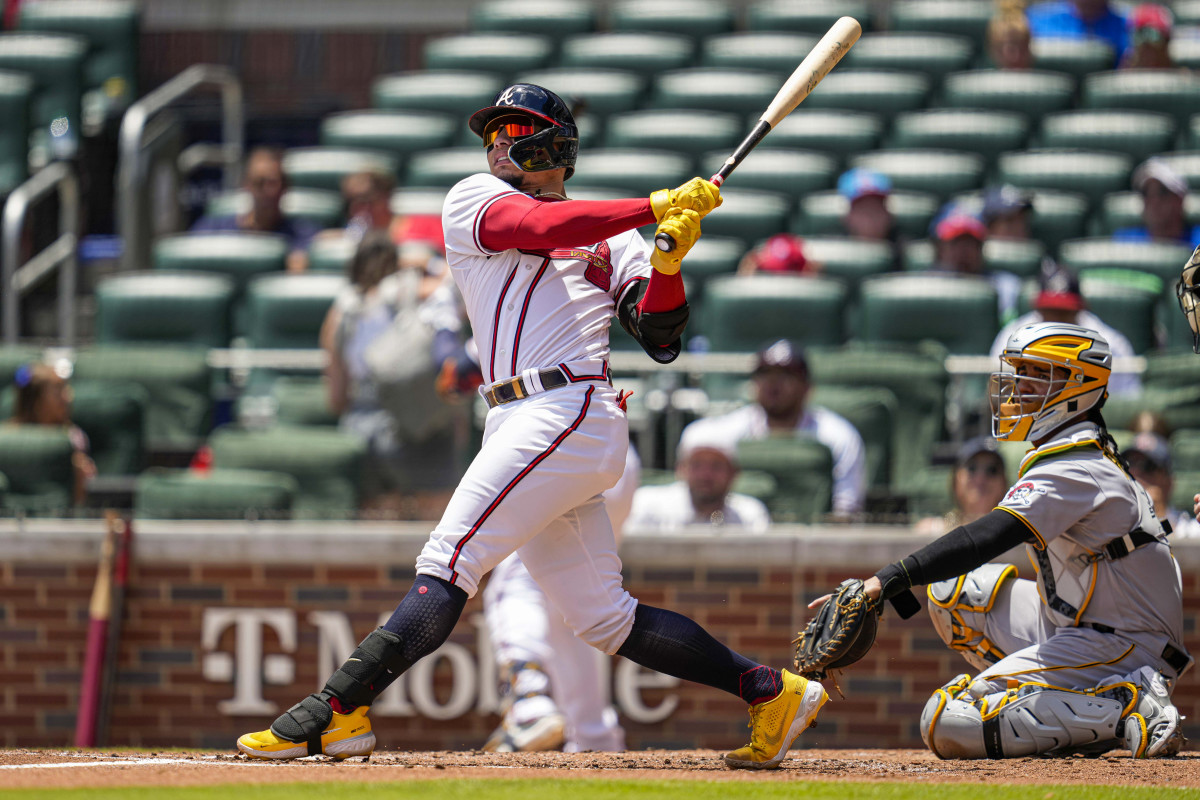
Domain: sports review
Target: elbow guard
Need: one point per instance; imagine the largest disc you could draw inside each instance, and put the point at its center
(657, 332)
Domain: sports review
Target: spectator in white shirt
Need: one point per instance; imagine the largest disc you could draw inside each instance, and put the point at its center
(707, 466)
(1149, 460)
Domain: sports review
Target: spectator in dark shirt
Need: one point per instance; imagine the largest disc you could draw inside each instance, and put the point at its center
(1079, 19)
(1163, 193)
(265, 182)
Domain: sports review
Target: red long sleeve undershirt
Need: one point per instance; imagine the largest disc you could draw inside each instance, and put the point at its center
(523, 223)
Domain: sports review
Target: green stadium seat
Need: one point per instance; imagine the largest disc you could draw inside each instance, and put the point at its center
(417, 201)
(331, 254)
(702, 18)
(918, 255)
(36, 459)
(711, 257)
(1185, 451)
(682, 130)
(1030, 92)
(872, 411)
(400, 133)
(113, 415)
(1185, 52)
(646, 54)
(325, 463)
(774, 169)
(55, 63)
(877, 91)
(321, 207)
(286, 311)
(743, 313)
(16, 91)
(741, 90)
(1021, 257)
(443, 168)
(803, 472)
(837, 132)
(849, 259)
(452, 92)
(632, 172)
(1187, 12)
(961, 17)
(499, 53)
(602, 91)
(958, 311)
(13, 357)
(555, 18)
(1124, 210)
(110, 68)
(1088, 172)
(302, 400)
(918, 379)
(1171, 371)
(164, 307)
(238, 255)
(937, 172)
(987, 133)
(1135, 133)
(933, 54)
(1171, 91)
(228, 494)
(1126, 300)
(804, 17)
(1161, 259)
(1058, 216)
(821, 213)
(774, 52)
(177, 381)
(325, 167)
(1079, 57)
(749, 215)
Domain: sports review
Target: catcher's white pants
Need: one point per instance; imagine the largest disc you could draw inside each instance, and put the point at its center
(534, 488)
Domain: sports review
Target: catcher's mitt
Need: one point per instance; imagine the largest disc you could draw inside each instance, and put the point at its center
(841, 633)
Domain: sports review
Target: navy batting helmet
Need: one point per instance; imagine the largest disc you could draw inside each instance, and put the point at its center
(556, 146)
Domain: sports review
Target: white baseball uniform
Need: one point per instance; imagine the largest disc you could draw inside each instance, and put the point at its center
(535, 485)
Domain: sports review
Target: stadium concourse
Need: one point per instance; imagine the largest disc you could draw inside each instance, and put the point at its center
(196, 365)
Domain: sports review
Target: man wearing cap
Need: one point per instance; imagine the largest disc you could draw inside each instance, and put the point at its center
(1059, 299)
(781, 384)
(1149, 460)
(1163, 192)
(706, 468)
(1149, 38)
(1007, 212)
(867, 214)
(958, 247)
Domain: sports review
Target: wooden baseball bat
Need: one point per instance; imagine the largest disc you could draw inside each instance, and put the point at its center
(836, 42)
(97, 639)
(112, 649)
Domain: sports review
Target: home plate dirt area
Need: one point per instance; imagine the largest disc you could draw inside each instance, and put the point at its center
(84, 768)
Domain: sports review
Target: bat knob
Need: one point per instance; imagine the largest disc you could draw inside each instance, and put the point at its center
(664, 242)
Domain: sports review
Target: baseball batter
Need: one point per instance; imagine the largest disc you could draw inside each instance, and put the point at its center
(1082, 659)
(541, 277)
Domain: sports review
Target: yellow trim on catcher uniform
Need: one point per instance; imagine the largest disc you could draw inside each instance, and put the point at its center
(1119, 658)
(1041, 542)
(1035, 455)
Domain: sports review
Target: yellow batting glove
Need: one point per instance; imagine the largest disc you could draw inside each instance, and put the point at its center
(682, 225)
(696, 195)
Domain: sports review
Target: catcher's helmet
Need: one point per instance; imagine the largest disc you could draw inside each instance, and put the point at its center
(1188, 292)
(1052, 372)
(556, 146)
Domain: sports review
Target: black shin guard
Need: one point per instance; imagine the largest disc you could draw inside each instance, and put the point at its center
(305, 721)
(371, 668)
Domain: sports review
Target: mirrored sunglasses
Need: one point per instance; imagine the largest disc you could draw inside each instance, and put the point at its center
(514, 130)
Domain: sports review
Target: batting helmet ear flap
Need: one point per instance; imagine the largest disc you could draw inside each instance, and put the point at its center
(547, 149)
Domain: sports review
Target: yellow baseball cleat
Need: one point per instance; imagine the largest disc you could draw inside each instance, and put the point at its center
(775, 724)
(347, 735)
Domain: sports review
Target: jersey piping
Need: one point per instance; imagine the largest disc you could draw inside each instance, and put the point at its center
(524, 310)
(1041, 542)
(496, 323)
(479, 219)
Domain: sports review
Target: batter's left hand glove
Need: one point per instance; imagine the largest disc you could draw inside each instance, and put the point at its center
(841, 633)
(684, 227)
(696, 195)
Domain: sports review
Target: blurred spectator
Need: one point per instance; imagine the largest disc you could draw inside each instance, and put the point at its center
(412, 464)
(368, 197)
(1079, 19)
(977, 485)
(1149, 459)
(782, 254)
(1150, 422)
(1008, 40)
(706, 467)
(44, 398)
(1008, 212)
(1149, 38)
(868, 215)
(265, 182)
(1059, 299)
(1163, 193)
(958, 247)
(781, 384)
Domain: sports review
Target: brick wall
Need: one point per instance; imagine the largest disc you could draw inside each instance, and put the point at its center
(173, 686)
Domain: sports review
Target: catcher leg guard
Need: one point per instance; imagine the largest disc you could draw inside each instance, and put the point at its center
(775, 724)
(530, 720)
(971, 720)
(1153, 728)
(958, 606)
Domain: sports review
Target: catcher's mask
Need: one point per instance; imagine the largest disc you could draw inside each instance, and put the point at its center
(1188, 292)
(548, 138)
(1051, 373)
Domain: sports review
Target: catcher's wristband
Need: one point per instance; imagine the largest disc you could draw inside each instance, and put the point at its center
(905, 603)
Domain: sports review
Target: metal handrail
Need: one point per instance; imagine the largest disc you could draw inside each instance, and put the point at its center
(131, 171)
(17, 278)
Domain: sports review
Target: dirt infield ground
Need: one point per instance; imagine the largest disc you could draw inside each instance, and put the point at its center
(84, 769)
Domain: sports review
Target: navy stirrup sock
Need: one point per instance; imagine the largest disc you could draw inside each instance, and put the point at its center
(671, 643)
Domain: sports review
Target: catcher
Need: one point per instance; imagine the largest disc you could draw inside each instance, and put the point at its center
(1081, 660)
